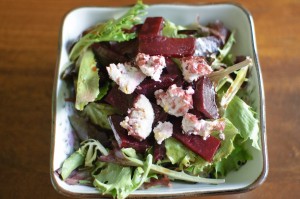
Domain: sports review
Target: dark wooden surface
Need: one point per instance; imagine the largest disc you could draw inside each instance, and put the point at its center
(28, 50)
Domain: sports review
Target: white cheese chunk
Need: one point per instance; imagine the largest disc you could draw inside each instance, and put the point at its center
(191, 125)
(175, 100)
(151, 66)
(126, 76)
(162, 131)
(140, 118)
(194, 67)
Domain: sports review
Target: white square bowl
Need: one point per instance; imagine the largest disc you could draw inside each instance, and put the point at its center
(63, 140)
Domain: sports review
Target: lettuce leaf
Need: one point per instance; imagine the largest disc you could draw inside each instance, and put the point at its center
(85, 155)
(87, 88)
(120, 181)
(98, 113)
(243, 117)
(103, 91)
(112, 30)
(224, 51)
(72, 163)
(233, 162)
(171, 30)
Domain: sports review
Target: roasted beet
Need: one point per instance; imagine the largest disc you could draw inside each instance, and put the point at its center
(204, 148)
(152, 27)
(106, 55)
(172, 67)
(128, 49)
(198, 114)
(159, 114)
(115, 52)
(204, 99)
(159, 151)
(120, 100)
(149, 86)
(168, 47)
(122, 137)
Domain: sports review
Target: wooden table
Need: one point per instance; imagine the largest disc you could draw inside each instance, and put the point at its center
(28, 50)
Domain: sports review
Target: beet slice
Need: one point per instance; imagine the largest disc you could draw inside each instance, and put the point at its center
(172, 67)
(123, 139)
(159, 151)
(148, 86)
(168, 47)
(204, 148)
(120, 100)
(106, 55)
(204, 98)
(159, 114)
(152, 27)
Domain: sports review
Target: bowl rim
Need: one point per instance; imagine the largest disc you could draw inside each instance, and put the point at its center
(264, 173)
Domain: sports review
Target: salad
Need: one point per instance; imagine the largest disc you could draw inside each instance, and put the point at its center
(156, 102)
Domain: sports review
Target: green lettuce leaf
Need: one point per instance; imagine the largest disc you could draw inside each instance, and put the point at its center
(112, 30)
(243, 117)
(72, 163)
(103, 91)
(224, 51)
(87, 88)
(120, 181)
(98, 114)
(171, 30)
(233, 162)
(92, 149)
(85, 155)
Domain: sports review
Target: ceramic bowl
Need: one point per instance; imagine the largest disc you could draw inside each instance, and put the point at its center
(235, 18)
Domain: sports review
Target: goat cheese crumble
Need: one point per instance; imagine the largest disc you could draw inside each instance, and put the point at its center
(162, 131)
(140, 118)
(126, 76)
(175, 101)
(194, 67)
(151, 65)
(191, 125)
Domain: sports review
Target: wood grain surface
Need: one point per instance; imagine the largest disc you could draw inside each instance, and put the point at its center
(29, 33)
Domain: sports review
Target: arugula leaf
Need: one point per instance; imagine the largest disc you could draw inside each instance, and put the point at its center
(88, 81)
(98, 113)
(112, 30)
(243, 117)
